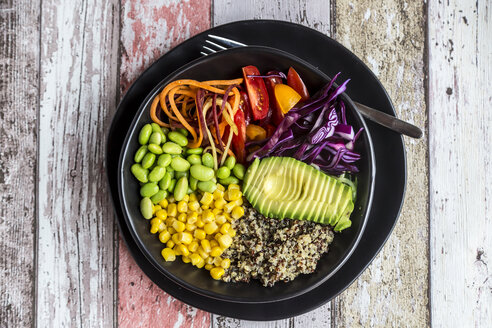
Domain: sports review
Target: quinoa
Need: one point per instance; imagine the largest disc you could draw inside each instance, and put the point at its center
(272, 250)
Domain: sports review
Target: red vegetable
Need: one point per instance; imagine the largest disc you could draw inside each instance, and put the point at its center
(258, 96)
(239, 140)
(245, 107)
(270, 82)
(295, 82)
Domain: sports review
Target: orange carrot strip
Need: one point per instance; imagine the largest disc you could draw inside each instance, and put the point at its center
(153, 115)
(224, 82)
(179, 116)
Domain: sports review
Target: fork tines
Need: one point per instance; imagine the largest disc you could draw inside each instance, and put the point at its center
(218, 43)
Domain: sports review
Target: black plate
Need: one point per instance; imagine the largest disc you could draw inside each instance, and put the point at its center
(330, 57)
(212, 67)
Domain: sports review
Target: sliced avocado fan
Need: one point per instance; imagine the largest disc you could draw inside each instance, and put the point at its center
(283, 187)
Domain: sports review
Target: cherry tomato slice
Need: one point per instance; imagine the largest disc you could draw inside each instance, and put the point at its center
(239, 140)
(258, 96)
(295, 82)
(244, 106)
(277, 114)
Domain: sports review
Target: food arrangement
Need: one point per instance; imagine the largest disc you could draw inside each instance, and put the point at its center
(226, 161)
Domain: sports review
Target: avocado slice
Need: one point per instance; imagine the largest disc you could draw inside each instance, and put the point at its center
(283, 187)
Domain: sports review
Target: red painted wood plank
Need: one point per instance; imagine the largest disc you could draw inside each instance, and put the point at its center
(148, 30)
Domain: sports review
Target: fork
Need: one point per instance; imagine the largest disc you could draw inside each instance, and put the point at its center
(215, 43)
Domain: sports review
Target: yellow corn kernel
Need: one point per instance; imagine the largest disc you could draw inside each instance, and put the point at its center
(192, 217)
(207, 199)
(213, 243)
(217, 272)
(229, 206)
(217, 260)
(208, 216)
(168, 254)
(217, 236)
(171, 230)
(216, 211)
(183, 250)
(233, 194)
(208, 266)
(193, 205)
(210, 228)
(163, 203)
(161, 214)
(226, 263)
(193, 246)
(182, 217)
(171, 199)
(164, 236)
(216, 251)
(170, 244)
(218, 194)
(239, 202)
(185, 259)
(192, 197)
(199, 223)
(209, 260)
(220, 203)
(225, 241)
(233, 186)
(190, 227)
(182, 206)
(206, 245)
(185, 238)
(237, 212)
(171, 210)
(205, 207)
(220, 219)
(162, 227)
(202, 253)
(195, 258)
(155, 228)
(199, 234)
(157, 208)
(232, 233)
(228, 216)
(176, 250)
(169, 221)
(179, 226)
(155, 221)
(175, 239)
(220, 187)
(200, 264)
(224, 229)
(186, 198)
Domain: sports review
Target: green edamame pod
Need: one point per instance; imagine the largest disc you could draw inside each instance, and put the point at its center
(239, 170)
(194, 151)
(193, 183)
(165, 181)
(179, 164)
(160, 195)
(172, 185)
(229, 180)
(194, 159)
(181, 188)
(149, 189)
(157, 173)
(208, 160)
(183, 131)
(230, 162)
(144, 134)
(155, 138)
(172, 148)
(140, 153)
(154, 148)
(164, 160)
(209, 186)
(201, 172)
(178, 138)
(223, 172)
(140, 173)
(180, 174)
(146, 208)
(148, 160)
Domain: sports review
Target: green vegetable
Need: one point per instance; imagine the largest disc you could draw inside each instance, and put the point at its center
(183, 131)
(193, 183)
(157, 128)
(181, 189)
(164, 160)
(149, 189)
(156, 138)
(239, 170)
(194, 159)
(230, 162)
(144, 134)
(140, 173)
(223, 172)
(194, 151)
(148, 160)
(229, 180)
(156, 149)
(180, 164)
(172, 148)
(140, 153)
(157, 173)
(201, 172)
(160, 195)
(172, 185)
(165, 181)
(180, 174)
(146, 207)
(178, 138)
(208, 186)
(208, 160)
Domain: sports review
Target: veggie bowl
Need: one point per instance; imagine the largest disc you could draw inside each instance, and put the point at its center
(227, 65)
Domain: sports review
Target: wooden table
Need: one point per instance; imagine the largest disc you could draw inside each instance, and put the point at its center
(64, 65)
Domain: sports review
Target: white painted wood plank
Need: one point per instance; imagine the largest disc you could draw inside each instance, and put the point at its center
(19, 58)
(79, 83)
(460, 106)
(315, 14)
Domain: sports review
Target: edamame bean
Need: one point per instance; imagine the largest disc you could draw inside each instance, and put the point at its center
(194, 151)
(193, 183)
(172, 185)
(229, 180)
(164, 160)
(209, 186)
(189, 191)
(155, 138)
(177, 138)
(165, 182)
(172, 148)
(223, 172)
(140, 153)
(145, 133)
(154, 148)
(194, 159)
(179, 164)
(183, 131)
(165, 130)
(230, 162)
(239, 170)
(181, 174)
(208, 160)
(201, 172)
(157, 173)
(140, 173)
(170, 170)
(157, 128)
(149, 189)
(160, 195)
(181, 188)
(148, 160)
(146, 208)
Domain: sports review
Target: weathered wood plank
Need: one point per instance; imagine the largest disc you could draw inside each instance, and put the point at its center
(149, 29)
(460, 117)
(315, 14)
(19, 58)
(390, 37)
(78, 91)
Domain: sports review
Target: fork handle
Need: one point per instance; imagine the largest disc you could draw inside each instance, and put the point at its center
(389, 121)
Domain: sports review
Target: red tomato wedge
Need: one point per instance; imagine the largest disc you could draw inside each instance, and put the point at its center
(295, 82)
(258, 96)
(244, 106)
(239, 140)
(277, 114)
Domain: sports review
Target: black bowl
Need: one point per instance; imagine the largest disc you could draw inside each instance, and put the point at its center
(227, 65)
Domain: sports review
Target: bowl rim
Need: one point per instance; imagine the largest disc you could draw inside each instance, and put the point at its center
(124, 153)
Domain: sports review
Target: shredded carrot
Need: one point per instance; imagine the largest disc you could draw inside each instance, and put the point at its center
(180, 117)
(153, 114)
(224, 82)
